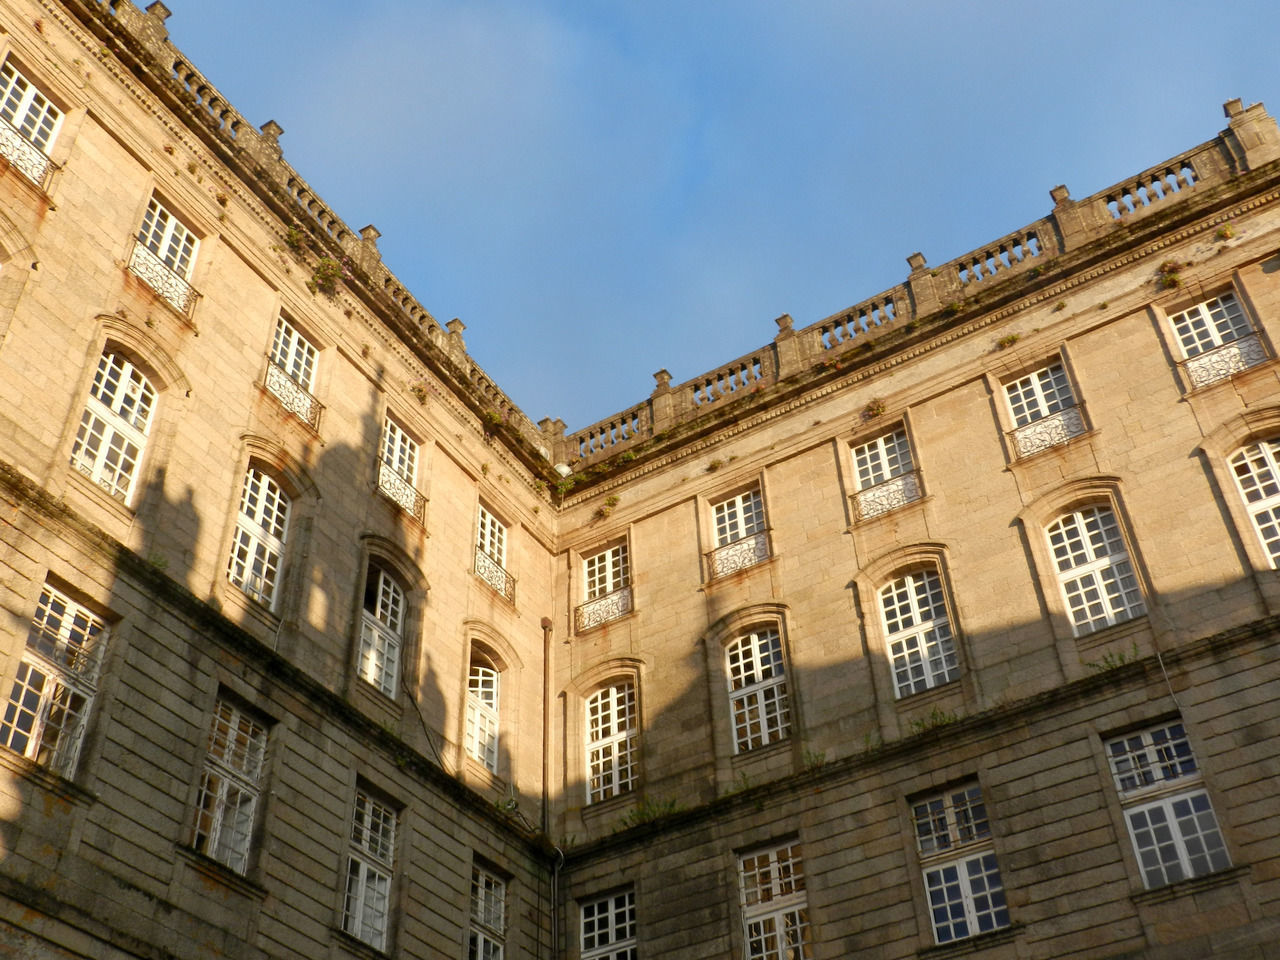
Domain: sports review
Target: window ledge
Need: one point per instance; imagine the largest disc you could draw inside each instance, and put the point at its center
(88, 488)
(755, 753)
(355, 945)
(233, 598)
(913, 701)
(973, 944)
(1089, 642)
(221, 873)
(46, 779)
(1059, 448)
(609, 806)
(1185, 888)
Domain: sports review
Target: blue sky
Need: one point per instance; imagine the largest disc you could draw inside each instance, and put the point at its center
(603, 189)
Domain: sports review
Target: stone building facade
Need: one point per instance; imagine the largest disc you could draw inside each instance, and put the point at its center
(947, 625)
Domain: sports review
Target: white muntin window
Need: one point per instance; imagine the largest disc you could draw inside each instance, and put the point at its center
(886, 475)
(382, 625)
(606, 571)
(48, 708)
(775, 909)
(230, 786)
(922, 649)
(612, 741)
(257, 549)
(291, 371)
(488, 915)
(961, 877)
(398, 468)
(483, 690)
(164, 255)
(1044, 411)
(30, 124)
(1217, 339)
(741, 540)
(491, 537)
(609, 927)
(366, 905)
(114, 426)
(1256, 469)
(1098, 581)
(1171, 822)
(759, 703)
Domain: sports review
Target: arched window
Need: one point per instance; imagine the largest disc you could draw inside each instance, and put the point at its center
(257, 549)
(482, 712)
(922, 650)
(1097, 579)
(381, 631)
(612, 741)
(1257, 472)
(758, 699)
(113, 428)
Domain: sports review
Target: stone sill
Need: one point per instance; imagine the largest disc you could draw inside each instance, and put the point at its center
(221, 873)
(356, 946)
(46, 779)
(1186, 888)
(973, 944)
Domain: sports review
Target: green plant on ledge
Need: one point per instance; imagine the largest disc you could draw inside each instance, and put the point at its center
(1168, 276)
(325, 277)
(935, 719)
(294, 238)
(875, 408)
(646, 811)
(1007, 341)
(1224, 232)
(603, 511)
(1113, 659)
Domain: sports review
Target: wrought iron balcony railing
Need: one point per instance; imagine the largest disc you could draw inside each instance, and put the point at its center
(602, 609)
(400, 491)
(886, 496)
(495, 575)
(292, 395)
(1225, 361)
(739, 555)
(24, 155)
(1055, 429)
(161, 278)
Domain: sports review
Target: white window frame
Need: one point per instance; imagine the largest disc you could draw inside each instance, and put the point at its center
(759, 698)
(112, 436)
(775, 907)
(56, 682)
(1097, 579)
(484, 689)
(612, 719)
(884, 473)
(488, 935)
(491, 536)
(31, 124)
(738, 517)
(398, 468)
(257, 548)
(963, 888)
(1043, 407)
(366, 902)
(1217, 339)
(606, 571)
(1256, 470)
(291, 371)
(169, 239)
(382, 626)
(608, 927)
(918, 634)
(1167, 813)
(230, 786)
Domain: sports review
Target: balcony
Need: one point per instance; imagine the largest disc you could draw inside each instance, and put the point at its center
(154, 272)
(24, 156)
(602, 609)
(400, 491)
(493, 573)
(1051, 431)
(889, 495)
(1224, 361)
(293, 396)
(739, 555)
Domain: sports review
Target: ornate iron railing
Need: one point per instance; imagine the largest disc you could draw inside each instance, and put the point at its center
(400, 491)
(292, 395)
(495, 575)
(600, 610)
(24, 155)
(739, 555)
(153, 271)
(1224, 361)
(887, 496)
(1057, 428)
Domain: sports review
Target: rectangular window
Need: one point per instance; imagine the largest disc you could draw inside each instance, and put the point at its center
(291, 372)
(371, 856)
(398, 469)
(30, 124)
(488, 916)
(258, 546)
(961, 876)
(1044, 410)
(1171, 822)
(164, 255)
(886, 475)
(55, 683)
(775, 910)
(230, 786)
(609, 927)
(607, 571)
(1217, 340)
(491, 554)
(741, 540)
